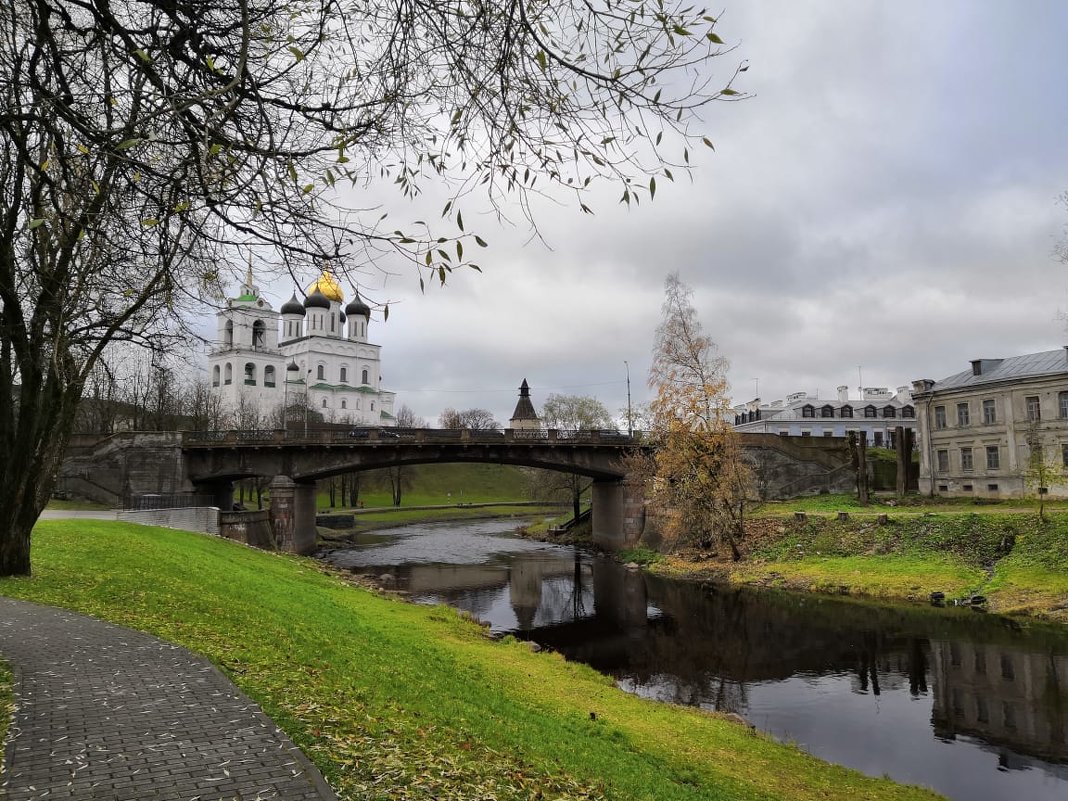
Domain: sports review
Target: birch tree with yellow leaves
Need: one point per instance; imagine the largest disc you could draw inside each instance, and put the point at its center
(701, 479)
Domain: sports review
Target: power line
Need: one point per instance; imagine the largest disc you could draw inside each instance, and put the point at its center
(510, 390)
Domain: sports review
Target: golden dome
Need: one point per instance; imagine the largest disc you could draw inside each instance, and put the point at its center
(328, 285)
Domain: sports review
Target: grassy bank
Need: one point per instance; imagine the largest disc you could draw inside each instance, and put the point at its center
(1015, 559)
(395, 701)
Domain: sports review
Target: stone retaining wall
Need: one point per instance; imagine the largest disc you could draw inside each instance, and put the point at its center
(204, 519)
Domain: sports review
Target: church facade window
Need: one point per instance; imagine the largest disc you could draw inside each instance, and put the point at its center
(344, 375)
(250, 374)
(268, 376)
(259, 335)
(229, 374)
(320, 372)
(363, 378)
(215, 376)
(228, 334)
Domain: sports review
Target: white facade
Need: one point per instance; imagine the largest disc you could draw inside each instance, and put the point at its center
(315, 350)
(997, 430)
(878, 412)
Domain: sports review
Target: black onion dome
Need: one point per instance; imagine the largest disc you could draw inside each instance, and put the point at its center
(317, 300)
(293, 306)
(357, 306)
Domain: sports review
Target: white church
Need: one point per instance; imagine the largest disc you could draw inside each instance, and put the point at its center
(322, 354)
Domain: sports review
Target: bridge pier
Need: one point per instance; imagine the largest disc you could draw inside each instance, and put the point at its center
(293, 515)
(617, 513)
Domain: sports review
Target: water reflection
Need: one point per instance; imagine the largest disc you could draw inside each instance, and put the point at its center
(969, 704)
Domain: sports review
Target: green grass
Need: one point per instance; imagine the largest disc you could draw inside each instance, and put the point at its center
(910, 504)
(396, 701)
(433, 485)
(1015, 559)
(65, 505)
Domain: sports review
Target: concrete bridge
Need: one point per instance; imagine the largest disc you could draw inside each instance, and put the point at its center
(296, 460)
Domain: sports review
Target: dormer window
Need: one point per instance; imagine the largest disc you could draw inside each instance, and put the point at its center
(847, 411)
(908, 411)
(889, 411)
(808, 410)
(869, 412)
(827, 411)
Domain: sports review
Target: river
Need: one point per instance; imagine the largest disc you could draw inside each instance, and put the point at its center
(972, 705)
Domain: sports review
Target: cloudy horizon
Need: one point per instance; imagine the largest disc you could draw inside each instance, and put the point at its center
(885, 204)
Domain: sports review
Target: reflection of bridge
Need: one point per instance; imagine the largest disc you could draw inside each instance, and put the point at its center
(295, 461)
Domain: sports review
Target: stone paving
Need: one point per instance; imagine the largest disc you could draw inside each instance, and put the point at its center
(104, 712)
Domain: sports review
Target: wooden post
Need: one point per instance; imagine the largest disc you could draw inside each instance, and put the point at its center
(904, 456)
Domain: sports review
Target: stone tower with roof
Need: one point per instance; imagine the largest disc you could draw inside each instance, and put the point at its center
(524, 417)
(323, 357)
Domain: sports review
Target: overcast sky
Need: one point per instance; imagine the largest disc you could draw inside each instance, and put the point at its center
(887, 199)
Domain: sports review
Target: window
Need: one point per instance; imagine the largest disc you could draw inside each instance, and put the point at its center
(786, 433)
(967, 487)
(259, 335)
(940, 417)
(963, 415)
(991, 487)
(847, 411)
(806, 433)
(363, 377)
(943, 487)
(331, 323)
(372, 406)
(228, 376)
(1062, 403)
(1038, 456)
(908, 411)
(869, 411)
(943, 461)
(993, 457)
(827, 411)
(878, 439)
(889, 411)
(324, 403)
(250, 373)
(1034, 408)
(344, 375)
(966, 463)
(320, 372)
(215, 376)
(808, 411)
(268, 376)
(828, 433)
(228, 334)
(344, 404)
(990, 412)
(1064, 455)
(1008, 671)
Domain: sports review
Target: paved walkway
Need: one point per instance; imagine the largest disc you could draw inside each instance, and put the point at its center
(109, 713)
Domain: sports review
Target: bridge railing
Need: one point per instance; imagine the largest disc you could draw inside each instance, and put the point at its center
(374, 435)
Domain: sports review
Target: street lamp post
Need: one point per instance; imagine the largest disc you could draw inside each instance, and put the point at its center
(290, 368)
(630, 416)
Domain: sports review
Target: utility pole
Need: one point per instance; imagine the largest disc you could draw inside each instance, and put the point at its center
(630, 416)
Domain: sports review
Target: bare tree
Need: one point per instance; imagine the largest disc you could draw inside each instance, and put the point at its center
(574, 413)
(146, 148)
(472, 419)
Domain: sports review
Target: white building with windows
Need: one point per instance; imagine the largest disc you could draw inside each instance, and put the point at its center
(878, 412)
(313, 351)
(997, 430)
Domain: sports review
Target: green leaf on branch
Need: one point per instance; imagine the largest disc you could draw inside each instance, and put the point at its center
(37, 222)
(542, 62)
(652, 188)
(126, 144)
(298, 54)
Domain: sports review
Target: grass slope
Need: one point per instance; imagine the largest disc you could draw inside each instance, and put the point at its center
(1018, 561)
(395, 701)
(433, 484)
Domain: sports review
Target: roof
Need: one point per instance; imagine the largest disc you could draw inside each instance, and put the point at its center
(1014, 368)
(524, 409)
